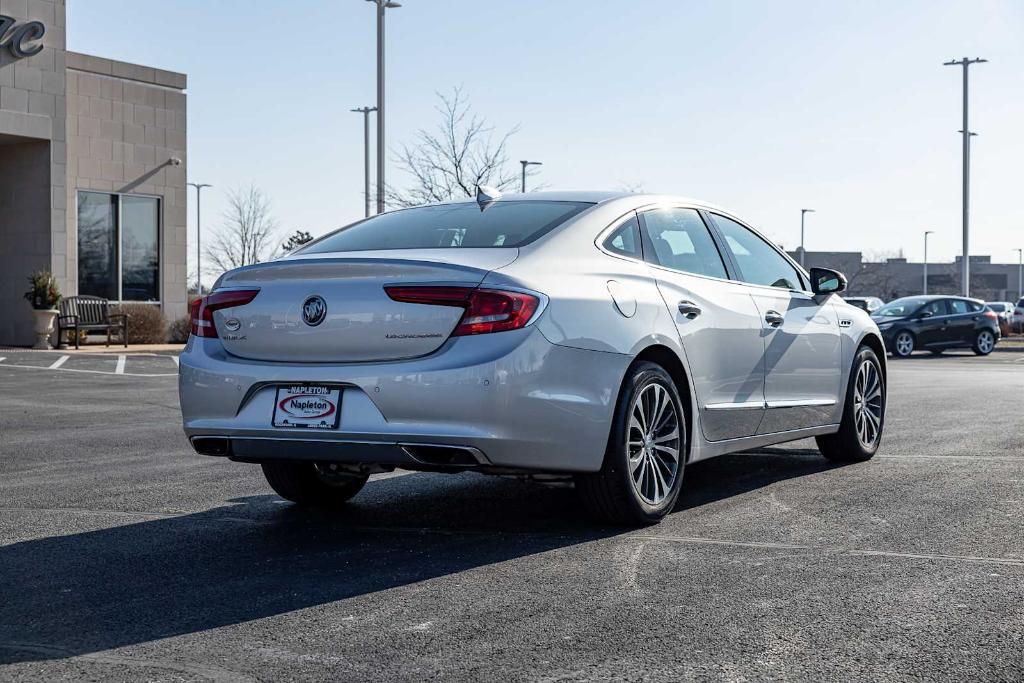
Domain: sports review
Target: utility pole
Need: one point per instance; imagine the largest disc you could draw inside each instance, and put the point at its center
(525, 164)
(381, 148)
(199, 222)
(965, 269)
(802, 251)
(365, 111)
(924, 290)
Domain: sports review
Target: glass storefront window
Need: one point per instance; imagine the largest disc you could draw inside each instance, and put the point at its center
(119, 246)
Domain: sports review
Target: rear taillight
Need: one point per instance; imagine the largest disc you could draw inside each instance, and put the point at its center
(485, 310)
(201, 310)
(991, 314)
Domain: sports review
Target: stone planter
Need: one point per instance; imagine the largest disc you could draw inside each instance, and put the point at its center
(44, 328)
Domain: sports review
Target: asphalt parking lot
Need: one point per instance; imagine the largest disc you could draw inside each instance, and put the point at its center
(123, 555)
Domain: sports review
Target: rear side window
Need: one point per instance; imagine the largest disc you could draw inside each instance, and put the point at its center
(679, 240)
(625, 240)
(758, 262)
(975, 307)
(447, 226)
(958, 306)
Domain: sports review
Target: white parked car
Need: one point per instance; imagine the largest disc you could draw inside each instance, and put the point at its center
(611, 337)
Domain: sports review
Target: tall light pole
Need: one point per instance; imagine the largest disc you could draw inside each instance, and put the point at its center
(365, 111)
(926, 233)
(525, 164)
(803, 212)
(1020, 274)
(965, 268)
(199, 223)
(381, 148)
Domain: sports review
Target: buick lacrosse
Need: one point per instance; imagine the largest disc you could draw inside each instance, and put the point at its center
(614, 338)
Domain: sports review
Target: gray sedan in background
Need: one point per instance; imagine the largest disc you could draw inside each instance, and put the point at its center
(609, 337)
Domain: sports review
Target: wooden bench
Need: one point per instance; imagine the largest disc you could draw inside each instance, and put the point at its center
(89, 313)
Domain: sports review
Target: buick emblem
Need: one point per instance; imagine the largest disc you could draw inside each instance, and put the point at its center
(314, 310)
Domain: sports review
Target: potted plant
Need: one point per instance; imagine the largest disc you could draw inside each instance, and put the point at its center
(44, 297)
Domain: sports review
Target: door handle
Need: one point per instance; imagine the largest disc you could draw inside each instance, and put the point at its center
(689, 309)
(774, 318)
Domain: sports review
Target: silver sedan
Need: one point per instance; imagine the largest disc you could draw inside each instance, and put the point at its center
(613, 338)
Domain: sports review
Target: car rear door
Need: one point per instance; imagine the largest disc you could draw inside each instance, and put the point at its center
(963, 320)
(719, 325)
(802, 344)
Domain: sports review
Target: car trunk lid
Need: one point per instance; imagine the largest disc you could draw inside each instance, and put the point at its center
(359, 321)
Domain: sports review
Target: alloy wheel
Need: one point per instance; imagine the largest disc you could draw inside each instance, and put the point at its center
(867, 404)
(986, 341)
(904, 344)
(654, 443)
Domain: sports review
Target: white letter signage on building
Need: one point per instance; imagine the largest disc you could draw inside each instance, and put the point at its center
(20, 39)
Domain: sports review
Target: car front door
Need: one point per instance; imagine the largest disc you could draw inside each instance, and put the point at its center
(718, 323)
(930, 325)
(800, 331)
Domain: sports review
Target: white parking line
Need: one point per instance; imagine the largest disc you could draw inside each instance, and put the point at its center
(119, 369)
(59, 362)
(2, 359)
(174, 358)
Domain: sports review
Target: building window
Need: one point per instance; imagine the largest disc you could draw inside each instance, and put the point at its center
(119, 246)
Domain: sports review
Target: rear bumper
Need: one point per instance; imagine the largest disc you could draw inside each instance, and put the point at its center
(510, 399)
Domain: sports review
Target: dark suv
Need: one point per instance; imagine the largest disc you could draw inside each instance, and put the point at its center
(936, 323)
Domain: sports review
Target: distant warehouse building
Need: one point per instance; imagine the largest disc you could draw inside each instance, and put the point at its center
(896, 277)
(92, 171)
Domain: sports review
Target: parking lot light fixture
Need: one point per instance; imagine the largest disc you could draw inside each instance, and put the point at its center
(925, 284)
(1020, 274)
(803, 212)
(382, 5)
(199, 222)
(525, 164)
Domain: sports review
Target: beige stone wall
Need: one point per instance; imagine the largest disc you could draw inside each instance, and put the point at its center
(124, 125)
(33, 158)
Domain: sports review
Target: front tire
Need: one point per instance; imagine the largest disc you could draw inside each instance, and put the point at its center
(984, 343)
(312, 484)
(642, 473)
(860, 431)
(903, 344)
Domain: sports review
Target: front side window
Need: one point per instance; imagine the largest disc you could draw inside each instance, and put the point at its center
(935, 308)
(758, 262)
(679, 240)
(119, 246)
(447, 226)
(625, 240)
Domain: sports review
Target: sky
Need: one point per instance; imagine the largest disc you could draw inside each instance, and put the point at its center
(762, 108)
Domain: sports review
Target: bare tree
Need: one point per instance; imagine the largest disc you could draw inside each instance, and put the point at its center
(248, 234)
(296, 240)
(451, 160)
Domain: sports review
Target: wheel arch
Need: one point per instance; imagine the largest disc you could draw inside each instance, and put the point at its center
(874, 342)
(669, 359)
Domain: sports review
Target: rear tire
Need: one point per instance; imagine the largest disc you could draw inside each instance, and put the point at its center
(984, 342)
(312, 484)
(860, 432)
(642, 473)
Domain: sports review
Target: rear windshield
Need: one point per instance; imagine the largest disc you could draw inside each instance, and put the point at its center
(502, 224)
(998, 308)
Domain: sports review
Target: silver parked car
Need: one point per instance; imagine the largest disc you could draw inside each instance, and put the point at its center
(612, 337)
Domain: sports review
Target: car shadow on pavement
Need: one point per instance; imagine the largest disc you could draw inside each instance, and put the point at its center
(257, 557)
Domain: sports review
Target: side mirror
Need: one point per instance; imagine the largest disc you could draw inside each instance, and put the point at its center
(826, 281)
(924, 314)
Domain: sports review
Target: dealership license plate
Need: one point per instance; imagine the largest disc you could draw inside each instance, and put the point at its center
(307, 406)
